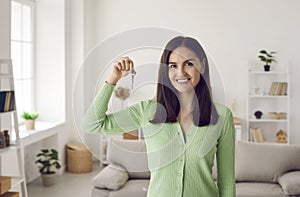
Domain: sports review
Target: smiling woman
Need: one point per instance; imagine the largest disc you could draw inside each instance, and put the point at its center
(183, 128)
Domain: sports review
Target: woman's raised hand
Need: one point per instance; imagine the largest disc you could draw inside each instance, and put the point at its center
(122, 68)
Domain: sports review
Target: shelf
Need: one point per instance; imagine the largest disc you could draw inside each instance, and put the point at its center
(7, 113)
(271, 143)
(6, 73)
(269, 120)
(268, 96)
(260, 83)
(7, 149)
(267, 73)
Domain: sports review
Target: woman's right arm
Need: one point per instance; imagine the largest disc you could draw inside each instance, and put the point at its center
(96, 119)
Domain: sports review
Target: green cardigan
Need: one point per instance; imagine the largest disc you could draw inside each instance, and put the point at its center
(179, 166)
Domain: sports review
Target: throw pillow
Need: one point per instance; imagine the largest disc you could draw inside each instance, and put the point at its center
(290, 183)
(112, 177)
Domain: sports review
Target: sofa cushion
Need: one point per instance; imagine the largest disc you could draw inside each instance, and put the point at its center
(265, 162)
(112, 177)
(290, 183)
(252, 189)
(133, 188)
(131, 155)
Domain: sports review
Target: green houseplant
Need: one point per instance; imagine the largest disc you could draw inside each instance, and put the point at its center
(47, 159)
(267, 58)
(30, 119)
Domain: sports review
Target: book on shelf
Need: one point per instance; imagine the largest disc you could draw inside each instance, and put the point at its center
(250, 135)
(278, 88)
(256, 135)
(7, 101)
(272, 89)
(284, 88)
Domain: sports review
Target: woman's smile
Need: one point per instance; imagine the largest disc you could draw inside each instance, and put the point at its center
(183, 80)
(184, 69)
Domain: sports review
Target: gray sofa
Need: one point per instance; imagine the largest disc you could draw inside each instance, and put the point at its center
(127, 174)
(262, 170)
(267, 170)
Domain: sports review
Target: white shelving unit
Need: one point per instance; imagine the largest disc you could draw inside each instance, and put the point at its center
(10, 120)
(259, 99)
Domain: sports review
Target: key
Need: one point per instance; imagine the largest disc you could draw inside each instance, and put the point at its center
(133, 73)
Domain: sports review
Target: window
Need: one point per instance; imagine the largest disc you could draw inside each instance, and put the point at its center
(22, 52)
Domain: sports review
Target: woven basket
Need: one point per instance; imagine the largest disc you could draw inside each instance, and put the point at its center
(79, 158)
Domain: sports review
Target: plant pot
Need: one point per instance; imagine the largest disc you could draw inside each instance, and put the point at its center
(30, 124)
(49, 179)
(267, 68)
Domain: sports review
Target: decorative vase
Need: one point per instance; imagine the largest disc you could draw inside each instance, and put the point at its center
(267, 68)
(30, 124)
(49, 179)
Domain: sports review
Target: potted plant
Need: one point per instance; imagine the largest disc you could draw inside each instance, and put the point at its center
(267, 58)
(47, 159)
(30, 119)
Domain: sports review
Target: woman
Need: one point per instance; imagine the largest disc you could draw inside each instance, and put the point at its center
(183, 128)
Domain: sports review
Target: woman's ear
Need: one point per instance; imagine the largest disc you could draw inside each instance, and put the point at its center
(203, 65)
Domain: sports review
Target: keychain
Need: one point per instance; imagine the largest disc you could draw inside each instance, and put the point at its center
(133, 73)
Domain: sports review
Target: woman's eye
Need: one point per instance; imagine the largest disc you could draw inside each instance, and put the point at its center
(190, 64)
(172, 66)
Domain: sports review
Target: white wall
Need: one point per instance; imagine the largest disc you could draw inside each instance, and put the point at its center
(50, 59)
(5, 29)
(231, 31)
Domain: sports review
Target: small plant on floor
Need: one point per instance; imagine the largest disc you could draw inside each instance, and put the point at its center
(47, 159)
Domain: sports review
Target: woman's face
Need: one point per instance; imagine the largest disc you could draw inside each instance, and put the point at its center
(184, 69)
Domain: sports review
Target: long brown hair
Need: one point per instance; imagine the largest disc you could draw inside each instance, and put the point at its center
(168, 105)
